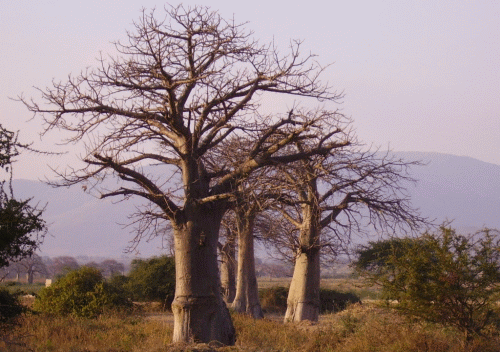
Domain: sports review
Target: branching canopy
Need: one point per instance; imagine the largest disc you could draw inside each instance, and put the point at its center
(179, 88)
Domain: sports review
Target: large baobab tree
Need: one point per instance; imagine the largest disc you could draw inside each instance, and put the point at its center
(177, 89)
(330, 198)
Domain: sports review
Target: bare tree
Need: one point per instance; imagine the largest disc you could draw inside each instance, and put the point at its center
(329, 199)
(246, 299)
(177, 89)
(111, 267)
(60, 265)
(31, 266)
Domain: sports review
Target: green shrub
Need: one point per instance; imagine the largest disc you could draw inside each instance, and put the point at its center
(120, 283)
(151, 280)
(274, 300)
(10, 307)
(82, 293)
(442, 277)
(333, 301)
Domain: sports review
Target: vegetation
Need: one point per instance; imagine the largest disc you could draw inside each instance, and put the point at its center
(274, 300)
(82, 293)
(21, 225)
(357, 329)
(445, 277)
(10, 307)
(182, 95)
(149, 280)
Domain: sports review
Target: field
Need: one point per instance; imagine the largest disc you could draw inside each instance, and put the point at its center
(359, 328)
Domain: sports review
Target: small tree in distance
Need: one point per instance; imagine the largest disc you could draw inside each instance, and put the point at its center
(443, 277)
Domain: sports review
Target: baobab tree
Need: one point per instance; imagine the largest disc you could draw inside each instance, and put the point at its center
(30, 266)
(176, 89)
(227, 252)
(245, 209)
(330, 198)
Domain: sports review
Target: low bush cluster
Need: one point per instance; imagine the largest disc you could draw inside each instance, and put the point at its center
(274, 300)
(149, 280)
(442, 277)
(333, 301)
(81, 293)
(10, 307)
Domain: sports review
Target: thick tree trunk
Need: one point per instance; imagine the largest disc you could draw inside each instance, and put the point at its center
(200, 314)
(303, 298)
(29, 276)
(247, 292)
(228, 270)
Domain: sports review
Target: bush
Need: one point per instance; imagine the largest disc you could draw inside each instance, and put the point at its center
(81, 293)
(274, 300)
(151, 280)
(333, 301)
(10, 307)
(120, 283)
(444, 278)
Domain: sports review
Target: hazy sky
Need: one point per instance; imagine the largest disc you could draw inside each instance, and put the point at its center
(417, 75)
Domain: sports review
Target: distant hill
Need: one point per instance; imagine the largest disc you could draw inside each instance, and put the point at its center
(456, 188)
(80, 224)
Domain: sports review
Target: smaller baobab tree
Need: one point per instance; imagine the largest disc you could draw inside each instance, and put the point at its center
(247, 205)
(254, 195)
(227, 252)
(31, 266)
(329, 199)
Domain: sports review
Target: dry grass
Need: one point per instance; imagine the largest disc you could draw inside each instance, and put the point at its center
(357, 329)
(107, 333)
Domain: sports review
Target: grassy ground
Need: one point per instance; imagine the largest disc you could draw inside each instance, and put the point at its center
(360, 328)
(24, 288)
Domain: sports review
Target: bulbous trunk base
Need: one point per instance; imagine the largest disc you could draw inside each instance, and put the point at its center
(300, 311)
(200, 314)
(202, 319)
(251, 308)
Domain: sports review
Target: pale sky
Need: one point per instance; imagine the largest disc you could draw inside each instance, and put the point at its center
(417, 75)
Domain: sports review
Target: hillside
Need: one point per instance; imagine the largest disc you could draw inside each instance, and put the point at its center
(456, 188)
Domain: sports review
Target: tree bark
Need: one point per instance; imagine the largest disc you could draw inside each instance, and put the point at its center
(30, 276)
(303, 297)
(247, 293)
(228, 270)
(200, 314)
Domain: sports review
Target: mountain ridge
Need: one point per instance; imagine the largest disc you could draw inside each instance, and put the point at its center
(449, 187)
